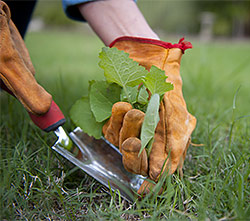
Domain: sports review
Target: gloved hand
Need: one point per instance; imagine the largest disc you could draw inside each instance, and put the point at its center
(16, 69)
(173, 132)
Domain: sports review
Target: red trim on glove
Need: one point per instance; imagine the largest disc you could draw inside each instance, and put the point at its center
(183, 45)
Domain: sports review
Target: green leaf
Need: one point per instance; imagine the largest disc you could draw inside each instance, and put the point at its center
(150, 121)
(132, 93)
(120, 69)
(149, 146)
(155, 81)
(102, 96)
(82, 116)
(143, 95)
(90, 113)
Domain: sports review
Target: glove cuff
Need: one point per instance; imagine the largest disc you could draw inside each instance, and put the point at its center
(183, 45)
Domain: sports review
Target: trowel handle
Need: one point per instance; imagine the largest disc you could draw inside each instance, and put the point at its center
(51, 120)
(47, 122)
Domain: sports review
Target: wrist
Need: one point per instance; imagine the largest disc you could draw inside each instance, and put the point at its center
(116, 18)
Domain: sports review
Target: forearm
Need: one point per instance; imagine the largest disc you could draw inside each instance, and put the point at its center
(111, 19)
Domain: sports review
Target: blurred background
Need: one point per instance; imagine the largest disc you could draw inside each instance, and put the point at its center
(217, 65)
(198, 18)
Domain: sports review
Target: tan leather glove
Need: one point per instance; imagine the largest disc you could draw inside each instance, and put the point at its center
(176, 124)
(16, 69)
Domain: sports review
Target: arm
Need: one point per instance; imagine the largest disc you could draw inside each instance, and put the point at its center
(111, 19)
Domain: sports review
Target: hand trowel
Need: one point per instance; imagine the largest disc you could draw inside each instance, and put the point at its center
(96, 157)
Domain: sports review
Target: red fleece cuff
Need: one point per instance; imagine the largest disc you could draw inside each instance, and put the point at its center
(183, 45)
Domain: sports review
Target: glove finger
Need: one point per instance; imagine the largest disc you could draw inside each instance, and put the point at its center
(158, 153)
(131, 161)
(147, 187)
(181, 162)
(20, 46)
(113, 127)
(180, 125)
(131, 126)
(105, 127)
(14, 72)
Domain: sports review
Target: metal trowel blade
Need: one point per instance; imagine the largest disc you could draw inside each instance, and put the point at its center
(101, 160)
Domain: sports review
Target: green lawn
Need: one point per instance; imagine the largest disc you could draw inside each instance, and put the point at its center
(36, 183)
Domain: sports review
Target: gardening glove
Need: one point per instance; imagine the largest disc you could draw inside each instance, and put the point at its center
(173, 132)
(16, 69)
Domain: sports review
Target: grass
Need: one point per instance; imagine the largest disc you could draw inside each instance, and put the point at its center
(36, 183)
